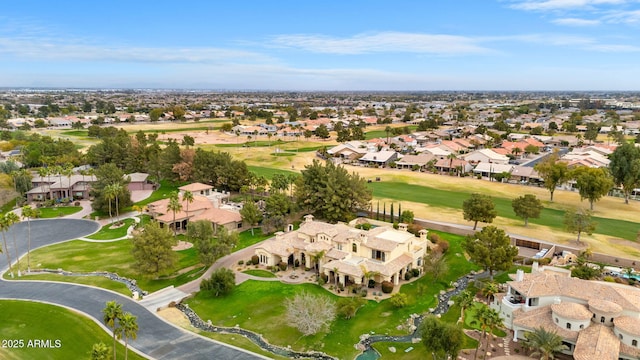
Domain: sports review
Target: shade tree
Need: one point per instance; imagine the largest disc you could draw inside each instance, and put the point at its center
(491, 249)
(526, 207)
(479, 207)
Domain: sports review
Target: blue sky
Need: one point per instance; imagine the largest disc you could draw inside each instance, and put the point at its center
(323, 45)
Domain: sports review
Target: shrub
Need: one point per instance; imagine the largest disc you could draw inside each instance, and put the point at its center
(414, 229)
(255, 259)
(387, 287)
(249, 262)
(415, 272)
(321, 281)
(240, 262)
(544, 261)
(399, 300)
(282, 265)
(296, 263)
(396, 225)
(340, 287)
(609, 279)
(371, 284)
(364, 293)
(408, 275)
(443, 245)
(324, 277)
(434, 238)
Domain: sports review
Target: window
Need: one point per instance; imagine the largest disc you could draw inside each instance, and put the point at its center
(377, 255)
(354, 247)
(581, 326)
(602, 319)
(339, 246)
(620, 336)
(556, 320)
(634, 342)
(568, 325)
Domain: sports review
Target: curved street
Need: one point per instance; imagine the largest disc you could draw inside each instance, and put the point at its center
(156, 338)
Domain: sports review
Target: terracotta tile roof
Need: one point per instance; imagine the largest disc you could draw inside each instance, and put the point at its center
(195, 187)
(604, 306)
(628, 324)
(541, 317)
(569, 310)
(597, 342)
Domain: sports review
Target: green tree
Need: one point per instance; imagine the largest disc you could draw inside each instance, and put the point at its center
(330, 192)
(251, 214)
(464, 300)
(545, 344)
(110, 315)
(407, 217)
(279, 182)
(553, 172)
(187, 198)
(479, 207)
(347, 307)
(4, 226)
(200, 233)
(443, 340)
(625, 168)
(399, 300)
(152, 249)
(277, 204)
(109, 174)
(99, 351)
(592, 183)
(488, 319)
(527, 206)
(490, 248)
(579, 221)
(489, 289)
(128, 329)
(12, 218)
(29, 213)
(435, 265)
(221, 282)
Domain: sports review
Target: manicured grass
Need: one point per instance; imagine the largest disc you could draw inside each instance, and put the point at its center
(83, 256)
(98, 281)
(453, 199)
(268, 172)
(283, 154)
(24, 320)
(419, 351)
(306, 149)
(166, 188)
(108, 232)
(54, 212)
(245, 239)
(80, 133)
(8, 206)
(260, 273)
(241, 342)
(259, 306)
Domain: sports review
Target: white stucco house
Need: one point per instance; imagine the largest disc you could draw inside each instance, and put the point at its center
(352, 255)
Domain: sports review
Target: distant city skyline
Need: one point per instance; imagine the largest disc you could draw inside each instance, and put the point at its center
(405, 45)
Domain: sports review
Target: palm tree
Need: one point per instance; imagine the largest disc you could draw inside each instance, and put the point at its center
(67, 170)
(109, 194)
(4, 225)
(42, 172)
(140, 209)
(116, 188)
(488, 319)
(28, 212)
(545, 344)
(464, 300)
(388, 131)
(490, 289)
(317, 258)
(110, 314)
(175, 206)
(516, 151)
(187, 196)
(451, 157)
(58, 171)
(11, 219)
(128, 329)
(99, 351)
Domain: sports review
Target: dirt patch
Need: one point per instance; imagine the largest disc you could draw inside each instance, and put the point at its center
(182, 245)
(175, 317)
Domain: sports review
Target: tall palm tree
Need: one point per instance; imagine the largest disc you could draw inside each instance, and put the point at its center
(187, 197)
(451, 157)
(116, 189)
(110, 315)
(488, 319)
(545, 344)
(42, 172)
(174, 205)
(28, 212)
(58, 171)
(464, 300)
(4, 225)
(12, 218)
(67, 171)
(128, 329)
(109, 194)
(99, 351)
(317, 258)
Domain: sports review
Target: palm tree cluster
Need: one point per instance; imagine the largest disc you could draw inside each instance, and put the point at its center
(122, 324)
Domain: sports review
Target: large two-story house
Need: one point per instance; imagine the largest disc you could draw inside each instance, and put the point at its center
(351, 255)
(597, 320)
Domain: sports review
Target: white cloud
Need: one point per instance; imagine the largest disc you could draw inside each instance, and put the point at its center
(576, 22)
(544, 5)
(623, 17)
(383, 42)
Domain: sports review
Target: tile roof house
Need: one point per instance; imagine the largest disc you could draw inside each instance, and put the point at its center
(350, 254)
(206, 205)
(597, 320)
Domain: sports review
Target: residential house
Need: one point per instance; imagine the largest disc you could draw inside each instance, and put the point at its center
(349, 151)
(60, 187)
(489, 170)
(597, 320)
(486, 156)
(347, 254)
(457, 166)
(420, 161)
(379, 158)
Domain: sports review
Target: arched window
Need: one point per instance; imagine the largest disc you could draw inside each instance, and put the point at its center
(354, 247)
(602, 319)
(568, 325)
(581, 326)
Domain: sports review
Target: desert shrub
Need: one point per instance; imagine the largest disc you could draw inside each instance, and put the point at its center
(296, 263)
(443, 245)
(240, 262)
(399, 300)
(282, 265)
(255, 259)
(544, 261)
(609, 279)
(321, 281)
(415, 272)
(324, 277)
(387, 287)
(434, 238)
(414, 229)
(364, 293)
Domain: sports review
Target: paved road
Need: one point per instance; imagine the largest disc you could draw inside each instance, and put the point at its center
(156, 338)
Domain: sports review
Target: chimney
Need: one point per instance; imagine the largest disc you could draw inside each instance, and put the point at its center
(534, 267)
(423, 234)
(308, 218)
(519, 275)
(279, 235)
(402, 227)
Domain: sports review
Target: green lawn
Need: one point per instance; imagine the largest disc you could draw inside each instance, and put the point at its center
(245, 239)
(260, 273)
(268, 172)
(25, 320)
(83, 256)
(80, 133)
(108, 232)
(166, 188)
(452, 199)
(258, 306)
(54, 212)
